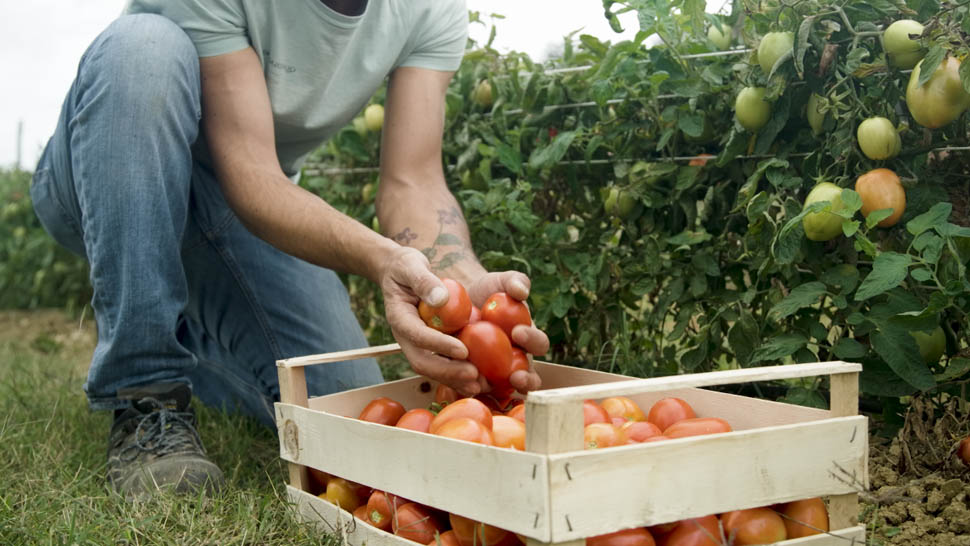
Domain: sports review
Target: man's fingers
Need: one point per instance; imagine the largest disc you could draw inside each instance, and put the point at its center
(409, 326)
(530, 338)
(524, 381)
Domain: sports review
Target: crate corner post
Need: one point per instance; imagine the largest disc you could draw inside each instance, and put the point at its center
(844, 402)
(292, 391)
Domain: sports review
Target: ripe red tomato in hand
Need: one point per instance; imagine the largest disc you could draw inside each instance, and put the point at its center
(418, 419)
(668, 411)
(697, 426)
(489, 349)
(382, 410)
(638, 536)
(453, 315)
(475, 316)
(506, 312)
(416, 522)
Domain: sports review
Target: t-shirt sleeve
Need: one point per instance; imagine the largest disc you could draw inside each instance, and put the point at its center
(215, 27)
(440, 41)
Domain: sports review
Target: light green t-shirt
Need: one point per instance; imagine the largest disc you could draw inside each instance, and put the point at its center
(321, 66)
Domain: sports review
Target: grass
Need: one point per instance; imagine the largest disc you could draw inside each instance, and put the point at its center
(53, 451)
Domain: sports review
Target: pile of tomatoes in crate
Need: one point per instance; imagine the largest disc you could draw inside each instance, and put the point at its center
(613, 421)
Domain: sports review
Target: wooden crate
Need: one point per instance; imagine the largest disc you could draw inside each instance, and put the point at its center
(556, 492)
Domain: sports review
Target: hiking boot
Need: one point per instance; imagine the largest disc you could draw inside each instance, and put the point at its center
(154, 445)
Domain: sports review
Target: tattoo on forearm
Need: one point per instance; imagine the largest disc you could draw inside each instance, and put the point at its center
(447, 248)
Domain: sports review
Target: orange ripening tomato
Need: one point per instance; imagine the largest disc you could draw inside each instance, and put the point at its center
(700, 160)
(489, 349)
(703, 531)
(453, 315)
(638, 536)
(447, 538)
(443, 394)
(466, 407)
(416, 522)
(594, 413)
(342, 493)
(881, 189)
(382, 410)
(668, 411)
(506, 312)
(600, 435)
(467, 429)
(697, 426)
(418, 419)
(517, 412)
(623, 407)
(638, 431)
(361, 514)
(380, 509)
(753, 526)
(806, 517)
(473, 533)
(508, 432)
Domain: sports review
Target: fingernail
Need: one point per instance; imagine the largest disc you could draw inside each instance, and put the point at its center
(438, 296)
(520, 287)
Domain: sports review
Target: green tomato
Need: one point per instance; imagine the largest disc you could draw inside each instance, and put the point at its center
(751, 108)
(823, 225)
(772, 47)
(618, 203)
(482, 94)
(720, 35)
(374, 117)
(815, 118)
(878, 138)
(941, 99)
(360, 126)
(902, 51)
(931, 345)
(368, 192)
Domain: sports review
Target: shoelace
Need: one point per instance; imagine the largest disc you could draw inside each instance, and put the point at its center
(162, 431)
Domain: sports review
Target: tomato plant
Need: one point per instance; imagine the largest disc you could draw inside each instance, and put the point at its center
(382, 410)
(805, 517)
(506, 312)
(667, 411)
(454, 314)
(489, 349)
(696, 427)
(878, 138)
(881, 189)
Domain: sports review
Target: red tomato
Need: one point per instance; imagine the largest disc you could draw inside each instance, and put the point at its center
(753, 526)
(447, 538)
(508, 432)
(489, 349)
(624, 408)
(473, 533)
(466, 407)
(380, 509)
(638, 431)
(638, 536)
(453, 315)
(443, 394)
(668, 411)
(600, 435)
(506, 312)
(517, 412)
(703, 531)
(415, 522)
(660, 438)
(697, 427)
(361, 513)
(964, 451)
(418, 419)
(467, 429)
(806, 517)
(475, 316)
(342, 493)
(594, 413)
(382, 410)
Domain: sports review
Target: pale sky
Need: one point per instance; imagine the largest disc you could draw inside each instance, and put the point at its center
(41, 42)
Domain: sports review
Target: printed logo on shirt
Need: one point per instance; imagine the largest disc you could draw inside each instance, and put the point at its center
(268, 60)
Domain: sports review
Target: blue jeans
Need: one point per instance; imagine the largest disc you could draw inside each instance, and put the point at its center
(182, 290)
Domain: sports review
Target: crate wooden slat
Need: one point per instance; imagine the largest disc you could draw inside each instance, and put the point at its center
(777, 452)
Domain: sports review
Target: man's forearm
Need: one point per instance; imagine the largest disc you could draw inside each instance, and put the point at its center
(432, 223)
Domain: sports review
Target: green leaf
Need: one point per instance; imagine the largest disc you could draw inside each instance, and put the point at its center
(801, 296)
(779, 347)
(545, 157)
(850, 227)
(965, 76)
(877, 216)
(956, 368)
(898, 349)
(851, 202)
(510, 157)
(888, 271)
(692, 124)
(936, 216)
(930, 62)
(802, 44)
(848, 348)
(743, 337)
(689, 238)
(921, 274)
